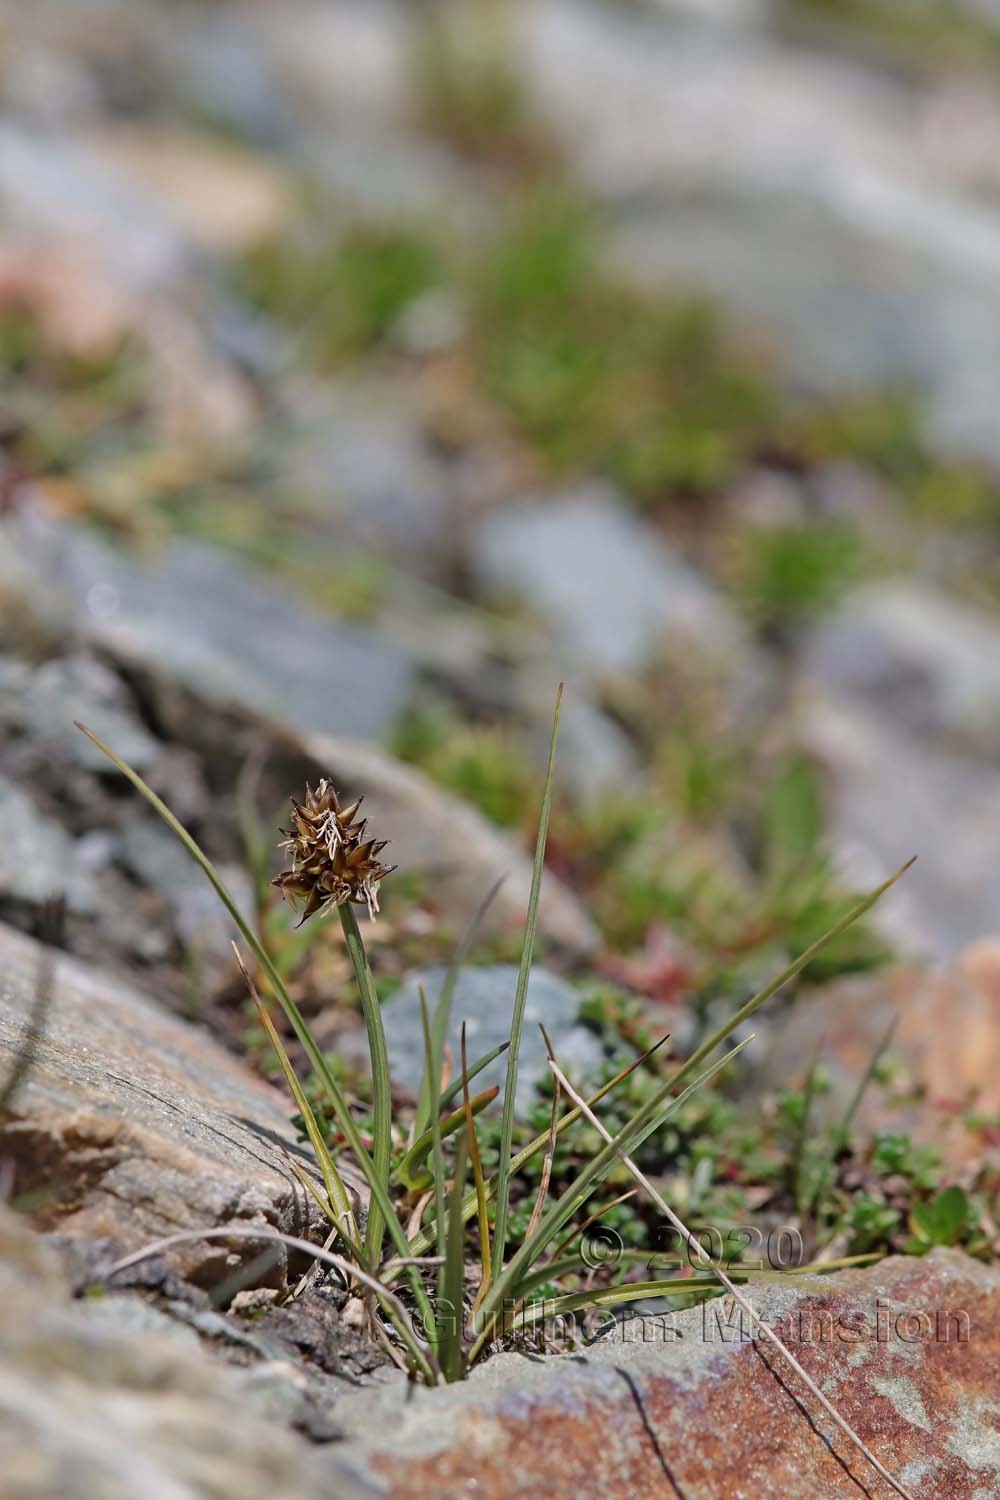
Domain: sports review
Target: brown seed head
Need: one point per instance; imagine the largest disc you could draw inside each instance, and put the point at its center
(332, 861)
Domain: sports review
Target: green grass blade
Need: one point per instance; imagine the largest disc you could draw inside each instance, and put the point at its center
(798, 1158)
(520, 996)
(608, 1296)
(422, 1242)
(652, 1113)
(453, 1280)
(479, 1183)
(340, 1203)
(442, 1011)
(826, 1165)
(378, 1054)
(803, 961)
(410, 1171)
(432, 1068)
(455, 1089)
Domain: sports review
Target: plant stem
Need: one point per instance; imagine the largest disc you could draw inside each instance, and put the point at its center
(381, 1087)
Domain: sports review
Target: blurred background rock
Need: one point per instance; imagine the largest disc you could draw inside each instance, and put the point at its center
(365, 369)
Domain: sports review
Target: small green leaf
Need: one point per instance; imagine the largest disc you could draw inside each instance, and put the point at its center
(942, 1220)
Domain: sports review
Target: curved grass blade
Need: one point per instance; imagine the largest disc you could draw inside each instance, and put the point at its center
(652, 1114)
(432, 1068)
(804, 959)
(455, 1090)
(423, 1357)
(340, 1204)
(409, 1170)
(423, 1241)
(479, 1182)
(608, 1296)
(453, 1280)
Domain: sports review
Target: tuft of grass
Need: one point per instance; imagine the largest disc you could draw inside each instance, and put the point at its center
(430, 1327)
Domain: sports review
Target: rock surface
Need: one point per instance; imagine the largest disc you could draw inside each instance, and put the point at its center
(923, 662)
(612, 591)
(131, 1124)
(947, 1040)
(484, 1000)
(890, 796)
(845, 212)
(109, 1400)
(315, 691)
(672, 1406)
(197, 616)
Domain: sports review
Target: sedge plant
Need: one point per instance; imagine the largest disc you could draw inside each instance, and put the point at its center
(425, 1225)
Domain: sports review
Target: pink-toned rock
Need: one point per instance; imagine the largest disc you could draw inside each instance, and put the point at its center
(947, 1038)
(687, 1406)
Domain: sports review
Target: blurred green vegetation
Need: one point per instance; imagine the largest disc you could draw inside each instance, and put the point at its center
(342, 297)
(785, 575)
(468, 90)
(929, 35)
(597, 376)
(483, 764)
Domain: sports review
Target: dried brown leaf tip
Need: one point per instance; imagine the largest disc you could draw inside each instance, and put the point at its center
(332, 861)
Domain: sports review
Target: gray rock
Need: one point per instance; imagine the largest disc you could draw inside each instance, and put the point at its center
(196, 619)
(224, 74)
(484, 1000)
(891, 796)
(131, 1124)
(109, 1400)
(916, 660)
(54, 189)
(202, 924)
(362, 459)
(42, 703)
(611, 589)
(37, 856)
(813, 195)
(184, 629)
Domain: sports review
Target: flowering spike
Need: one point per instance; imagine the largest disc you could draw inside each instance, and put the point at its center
(331, 861)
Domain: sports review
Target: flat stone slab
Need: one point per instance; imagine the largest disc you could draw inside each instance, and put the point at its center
(689, 1405)
(611, 588)
(198, 618)
(109, 1399)
(131, 1124)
